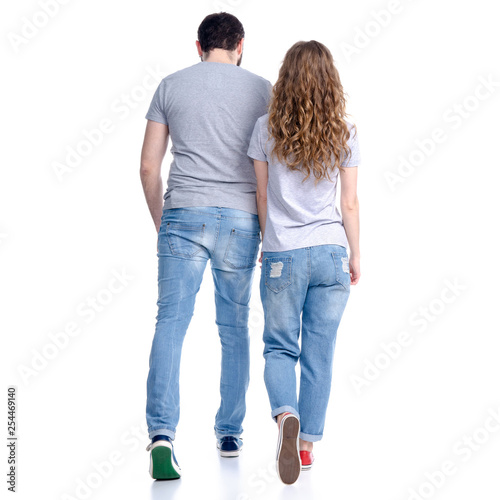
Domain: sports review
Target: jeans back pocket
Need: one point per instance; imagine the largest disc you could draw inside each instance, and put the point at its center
(242, 249)
(278, 273)
(341, 262)
(185, 239)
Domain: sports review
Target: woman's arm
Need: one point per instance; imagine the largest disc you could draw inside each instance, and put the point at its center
(349, 206)
(262, 176)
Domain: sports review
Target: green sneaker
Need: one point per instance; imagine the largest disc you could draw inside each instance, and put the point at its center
(162, 463)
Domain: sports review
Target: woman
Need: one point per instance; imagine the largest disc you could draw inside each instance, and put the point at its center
(300, 148)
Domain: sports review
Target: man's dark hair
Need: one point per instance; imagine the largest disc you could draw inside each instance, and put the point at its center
(220, 31)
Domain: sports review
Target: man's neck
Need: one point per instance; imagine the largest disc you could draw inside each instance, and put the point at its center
(220, 56)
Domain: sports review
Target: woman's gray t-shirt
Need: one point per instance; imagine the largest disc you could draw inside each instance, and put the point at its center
(299, 214)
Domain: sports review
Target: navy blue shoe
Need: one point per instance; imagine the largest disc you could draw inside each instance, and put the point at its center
(162, 462)
(229, 446)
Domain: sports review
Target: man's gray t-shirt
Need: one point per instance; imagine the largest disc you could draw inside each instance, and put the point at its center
(299, 214)
(210, 109)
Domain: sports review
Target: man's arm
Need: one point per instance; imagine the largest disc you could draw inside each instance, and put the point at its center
(153, 152)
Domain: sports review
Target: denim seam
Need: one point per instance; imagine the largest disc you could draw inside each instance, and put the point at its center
(245, 234)
(310, 437)
(216, 239)
(164, 431)
(228, 217)
(284, 409)
(308, 266)
(208, 214)
(189, 211)
(188, 226)
(220, 435)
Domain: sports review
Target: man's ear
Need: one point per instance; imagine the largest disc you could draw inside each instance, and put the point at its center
(239, 47)
(198, 46)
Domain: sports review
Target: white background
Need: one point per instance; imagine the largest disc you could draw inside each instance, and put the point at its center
(63, 237)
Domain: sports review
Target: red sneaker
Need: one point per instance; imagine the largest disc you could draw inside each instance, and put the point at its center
(307, 459)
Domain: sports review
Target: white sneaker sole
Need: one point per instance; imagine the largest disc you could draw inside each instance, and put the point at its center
(288, 463)
(230, 454)
(161, 461)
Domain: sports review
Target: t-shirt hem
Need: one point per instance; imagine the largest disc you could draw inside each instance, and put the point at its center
(256, 156)
(156, 118)
(285, 246)
(237, 204)
(289, 249)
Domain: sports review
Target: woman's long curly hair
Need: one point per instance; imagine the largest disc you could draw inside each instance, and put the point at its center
(307, 112)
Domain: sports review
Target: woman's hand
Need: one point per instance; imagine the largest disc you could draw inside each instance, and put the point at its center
(354, 269)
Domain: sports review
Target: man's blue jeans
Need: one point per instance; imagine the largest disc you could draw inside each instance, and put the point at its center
(313, 282)
(187, 239)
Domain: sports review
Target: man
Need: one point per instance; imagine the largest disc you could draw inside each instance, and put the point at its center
(209, 213)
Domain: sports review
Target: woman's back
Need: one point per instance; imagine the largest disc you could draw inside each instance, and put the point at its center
(300, 213)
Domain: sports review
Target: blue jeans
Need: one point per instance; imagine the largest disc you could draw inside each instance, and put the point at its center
(313, 282)
(187, 239)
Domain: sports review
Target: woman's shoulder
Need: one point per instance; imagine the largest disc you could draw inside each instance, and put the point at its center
(263, 120)
(261, 125)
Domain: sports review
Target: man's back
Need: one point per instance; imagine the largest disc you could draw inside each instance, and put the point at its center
(211, 109)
